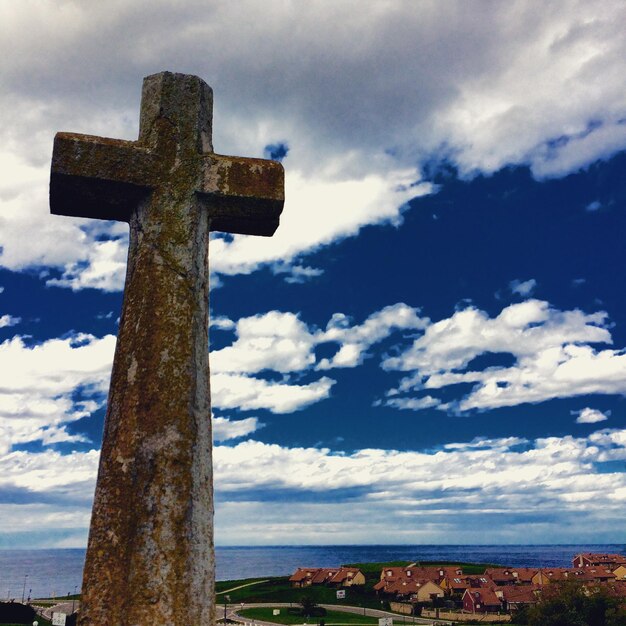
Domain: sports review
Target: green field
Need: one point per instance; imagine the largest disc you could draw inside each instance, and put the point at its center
(278, 590)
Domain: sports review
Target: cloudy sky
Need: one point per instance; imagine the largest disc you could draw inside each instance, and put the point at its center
(431, 349)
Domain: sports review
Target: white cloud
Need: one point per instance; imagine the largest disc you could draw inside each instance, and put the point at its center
(225, 429)
(523, 289)
(591, 416)
(281, 342)
(235, 391)
(273, 340)
(295, 274)
(37, 391)
(550, 352)
(502, 444)
(522, 329)
(73, 474)
(458, 492)
(360, 99)
(9, 320)
(412, 404)
(310, 218)
(355, 340)
(104, 267)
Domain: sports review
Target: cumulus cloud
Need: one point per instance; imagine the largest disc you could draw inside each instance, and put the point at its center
(38, 391)
(235, 391)
(551, 350)
(103, 268)
(355, 340)
(590, 416)
(524, 288)
(456, 492)
(8, 320)
(46, 491)
(310, 218)
(61, 380)
(225, 429)
(465, 487)
(521, 87)
(274, 340)
(58, 381)
(281, 342)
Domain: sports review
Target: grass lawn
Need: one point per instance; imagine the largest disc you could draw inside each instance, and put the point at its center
(331, 617)
(279, 590)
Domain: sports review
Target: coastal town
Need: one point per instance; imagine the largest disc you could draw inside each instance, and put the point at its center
(460, 593)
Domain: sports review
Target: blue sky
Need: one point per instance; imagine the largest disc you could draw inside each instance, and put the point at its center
(431, 349)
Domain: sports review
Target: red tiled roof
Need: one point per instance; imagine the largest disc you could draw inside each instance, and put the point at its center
(500, 574)
(323, 575)
(343, 574)
(556, 573)
(413, 572)
(524, 574)
(597, 558)
(519, 594)
(302, 573)
(484, 596)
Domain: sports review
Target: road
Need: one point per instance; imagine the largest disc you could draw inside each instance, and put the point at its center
(231, 612)
(61, 607)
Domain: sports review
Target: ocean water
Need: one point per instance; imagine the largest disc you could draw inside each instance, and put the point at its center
(41, 573)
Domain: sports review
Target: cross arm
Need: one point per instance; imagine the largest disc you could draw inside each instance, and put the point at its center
(244, 196)
(98, 177)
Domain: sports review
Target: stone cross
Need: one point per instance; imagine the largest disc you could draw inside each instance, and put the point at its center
(150, 554)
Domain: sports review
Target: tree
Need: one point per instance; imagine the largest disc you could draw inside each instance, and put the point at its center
(571, 604)
(308, 606)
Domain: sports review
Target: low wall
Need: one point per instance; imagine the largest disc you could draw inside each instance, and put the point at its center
(401, 607)
(485, 618)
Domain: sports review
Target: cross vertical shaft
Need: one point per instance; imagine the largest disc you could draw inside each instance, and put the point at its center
(150, 554)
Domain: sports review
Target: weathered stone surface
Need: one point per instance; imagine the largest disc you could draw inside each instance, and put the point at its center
(150, 554)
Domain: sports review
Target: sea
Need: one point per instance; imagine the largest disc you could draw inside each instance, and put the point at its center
(58, 572)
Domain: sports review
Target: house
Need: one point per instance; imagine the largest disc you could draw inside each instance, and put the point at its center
(414, 590)
(331, 576)
(412, 572)
(481, 601)
(514, 596)
(346, 577)
(448, 572)
(596, 574)
(595, 559)
(589, 575)
(427, 591)
(524, 575)
(546, 576)
(391, 576)
(620, 572)
(456, 584)
(501, 576)
(303, 577)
